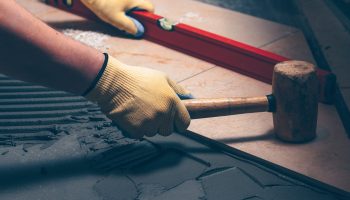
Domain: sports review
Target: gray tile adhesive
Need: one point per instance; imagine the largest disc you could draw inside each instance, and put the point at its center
(54, 145)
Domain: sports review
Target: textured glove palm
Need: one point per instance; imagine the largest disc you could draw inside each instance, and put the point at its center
(113, 12)
(140, 101)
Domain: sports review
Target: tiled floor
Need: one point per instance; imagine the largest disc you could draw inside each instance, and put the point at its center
(327, 25)
(325, 159)
(244, 28)
(333, 37)
(292, 46)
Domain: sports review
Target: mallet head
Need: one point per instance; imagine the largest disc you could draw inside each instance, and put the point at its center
(295, 88)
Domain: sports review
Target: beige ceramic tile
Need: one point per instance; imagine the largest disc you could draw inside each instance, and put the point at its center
(234, 25)
(58, 17)
(333, 37)
(325, 158)
(55, 17)
(36, 7)
(293, 46)
(47, 13)
(144, 53)
(221, 82)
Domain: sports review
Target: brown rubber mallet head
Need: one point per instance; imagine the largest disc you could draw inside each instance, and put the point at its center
(295, 88)
(293, 102)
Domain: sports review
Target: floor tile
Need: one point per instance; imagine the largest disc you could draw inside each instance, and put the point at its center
(176, 65)
(36, 7)
(57, 17)
(231, 24)
(293, 46)
(332, 36)
(326, 158)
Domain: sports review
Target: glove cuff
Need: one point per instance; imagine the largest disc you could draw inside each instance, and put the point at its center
(97, 78)
(110, 85)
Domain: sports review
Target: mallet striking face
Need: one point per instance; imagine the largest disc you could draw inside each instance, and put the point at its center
(293, 102)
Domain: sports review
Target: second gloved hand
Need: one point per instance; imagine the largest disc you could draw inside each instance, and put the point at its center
(141, 101)
(114, 12)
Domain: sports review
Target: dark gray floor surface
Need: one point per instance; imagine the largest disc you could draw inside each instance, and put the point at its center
(57, 146)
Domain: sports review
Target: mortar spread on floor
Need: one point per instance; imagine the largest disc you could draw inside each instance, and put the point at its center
(54, 145)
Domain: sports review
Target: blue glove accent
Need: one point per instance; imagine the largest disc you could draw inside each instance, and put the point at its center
(185, 96)
(139, 26)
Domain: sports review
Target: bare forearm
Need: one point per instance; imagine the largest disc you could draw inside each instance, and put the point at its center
(32, 51)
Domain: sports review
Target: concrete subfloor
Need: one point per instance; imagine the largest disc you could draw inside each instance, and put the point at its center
(325, 159)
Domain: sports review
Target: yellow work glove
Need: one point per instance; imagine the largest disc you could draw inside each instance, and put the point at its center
(141, 101)
(115, 12)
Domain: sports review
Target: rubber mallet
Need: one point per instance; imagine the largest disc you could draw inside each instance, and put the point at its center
(293, 102)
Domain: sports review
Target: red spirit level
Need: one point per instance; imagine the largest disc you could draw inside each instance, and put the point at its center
(213, 48)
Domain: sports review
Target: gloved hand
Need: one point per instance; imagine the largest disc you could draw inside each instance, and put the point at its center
(141, 101)
(115, 12)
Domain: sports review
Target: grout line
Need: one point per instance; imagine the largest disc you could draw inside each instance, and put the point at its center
(197, 74)
(280, 38)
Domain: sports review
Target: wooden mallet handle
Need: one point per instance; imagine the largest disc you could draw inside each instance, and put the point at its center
(203, 108)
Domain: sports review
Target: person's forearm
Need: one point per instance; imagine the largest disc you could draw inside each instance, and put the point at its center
(32, 51)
